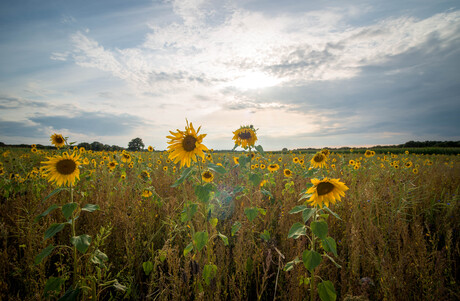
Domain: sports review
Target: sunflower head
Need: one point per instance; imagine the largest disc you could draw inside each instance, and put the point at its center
(185, 146)
(207, 176)
(62, 170)
(273, 167)
(150, 148)
(245, 136)
(287, 173)
(57, 140)
(146, 193)
(326, 191)
(318, 160)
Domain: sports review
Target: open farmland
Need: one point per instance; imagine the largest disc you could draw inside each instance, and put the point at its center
(144, 228)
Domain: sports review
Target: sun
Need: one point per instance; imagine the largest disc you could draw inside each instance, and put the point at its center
(254, 80)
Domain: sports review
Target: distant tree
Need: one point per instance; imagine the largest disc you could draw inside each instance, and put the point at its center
(136, 144)
(86, 145)
(97, 146)
(284, 150)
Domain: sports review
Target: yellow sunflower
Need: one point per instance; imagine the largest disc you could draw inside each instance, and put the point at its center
(57, 140)
(146, 193)
(62, 170)
(318, 160)
(415, 171)
(207, 176)
(287, 173)
(112, 164)
(236, 160)
(325, 152)
(185, 146)
(245, 136)
(125, 157)
(326, 191)
(295, 160)
(273, 167)
(368, 154)
(150, 148)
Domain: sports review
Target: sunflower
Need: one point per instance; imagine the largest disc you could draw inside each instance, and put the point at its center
(57, 140)
(33, 149)
(415, 171)
(273, 167)
(112, 165)
(62, 170)
(368, 154)
(146, 193)
(207, 176)
(236, 160)
(245, 136)
(165, 168)
(326, 191)
(150, 148)
(262, 166)
(408, 164)
(185, 146)
(325, 152)
(352, 162)
(125, 157)
(318, 160)
(145, 175)
(295, 160)
(287, 173)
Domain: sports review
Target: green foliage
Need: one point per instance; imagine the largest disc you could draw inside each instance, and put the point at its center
(209, 273)
(43, 254)
(251, 213)
(81, 242)
(311, 259)
(297, 230)
(326, 291)
(200, 240)
(53, 229)
(319, 228)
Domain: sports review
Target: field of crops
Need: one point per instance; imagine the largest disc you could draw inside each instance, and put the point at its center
(231, 226)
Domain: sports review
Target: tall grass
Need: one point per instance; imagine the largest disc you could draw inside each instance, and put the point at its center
(397, 238)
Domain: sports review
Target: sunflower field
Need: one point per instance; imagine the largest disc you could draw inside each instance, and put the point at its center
(191, 223)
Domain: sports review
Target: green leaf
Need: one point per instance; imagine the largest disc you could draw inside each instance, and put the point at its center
(266, 193)
(53, 229)
(118, 286)
(251, 213)
(255, 179)
(188, 212)
(43, 254)
(236, 227)
(290, 265)
(216, 168)
(260, 149)
(70, 294)
(265, 235)
(54, 192)
(200, 239)
(68, 209)
(46, 212)
(307, 214)
(209, 272)
(203, 192)
(333, 213)
(319, 228)
(297, 230)
(187, 249)
(297, 209)
(249, 265)
(329, 245)
(148, 267)
(326, 291)
(311, 259)
(90, 207)
(185, 174)
(310, 172)
(81, 242)
(99, 257)
(243, 160)
(53, 284)
(333, 261)
(224, 238)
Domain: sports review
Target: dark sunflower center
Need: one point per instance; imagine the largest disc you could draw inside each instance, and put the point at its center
(324, 188)
(207, 175)
(245, 135)
(189, 143)
(126, 156)
(288, 172)
(318, 158)
(66, 166)
(59, 139)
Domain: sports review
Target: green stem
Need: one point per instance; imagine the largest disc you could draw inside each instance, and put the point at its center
(74, 247)
(312, 279)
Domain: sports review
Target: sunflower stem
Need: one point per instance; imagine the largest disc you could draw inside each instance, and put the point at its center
(74, 247)
(312, 280)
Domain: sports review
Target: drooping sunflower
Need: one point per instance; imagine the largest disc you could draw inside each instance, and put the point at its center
(287, 173)
(273, 167)
(207, 176)
(326, 191)
(318, 160)
(185, 146)
(245, 136)
(57, 140)
(62, 170)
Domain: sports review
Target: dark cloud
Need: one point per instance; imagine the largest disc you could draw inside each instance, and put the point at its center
(416, 92)
(20, 129)
(8, 102)
(101, 124)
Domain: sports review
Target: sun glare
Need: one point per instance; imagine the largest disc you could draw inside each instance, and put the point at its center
(254, 80)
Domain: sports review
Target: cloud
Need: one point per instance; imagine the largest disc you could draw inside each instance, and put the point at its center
(20, 129)
(11, 102)
(89, 123)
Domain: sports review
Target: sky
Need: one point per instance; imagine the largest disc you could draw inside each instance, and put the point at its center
(304, 73)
